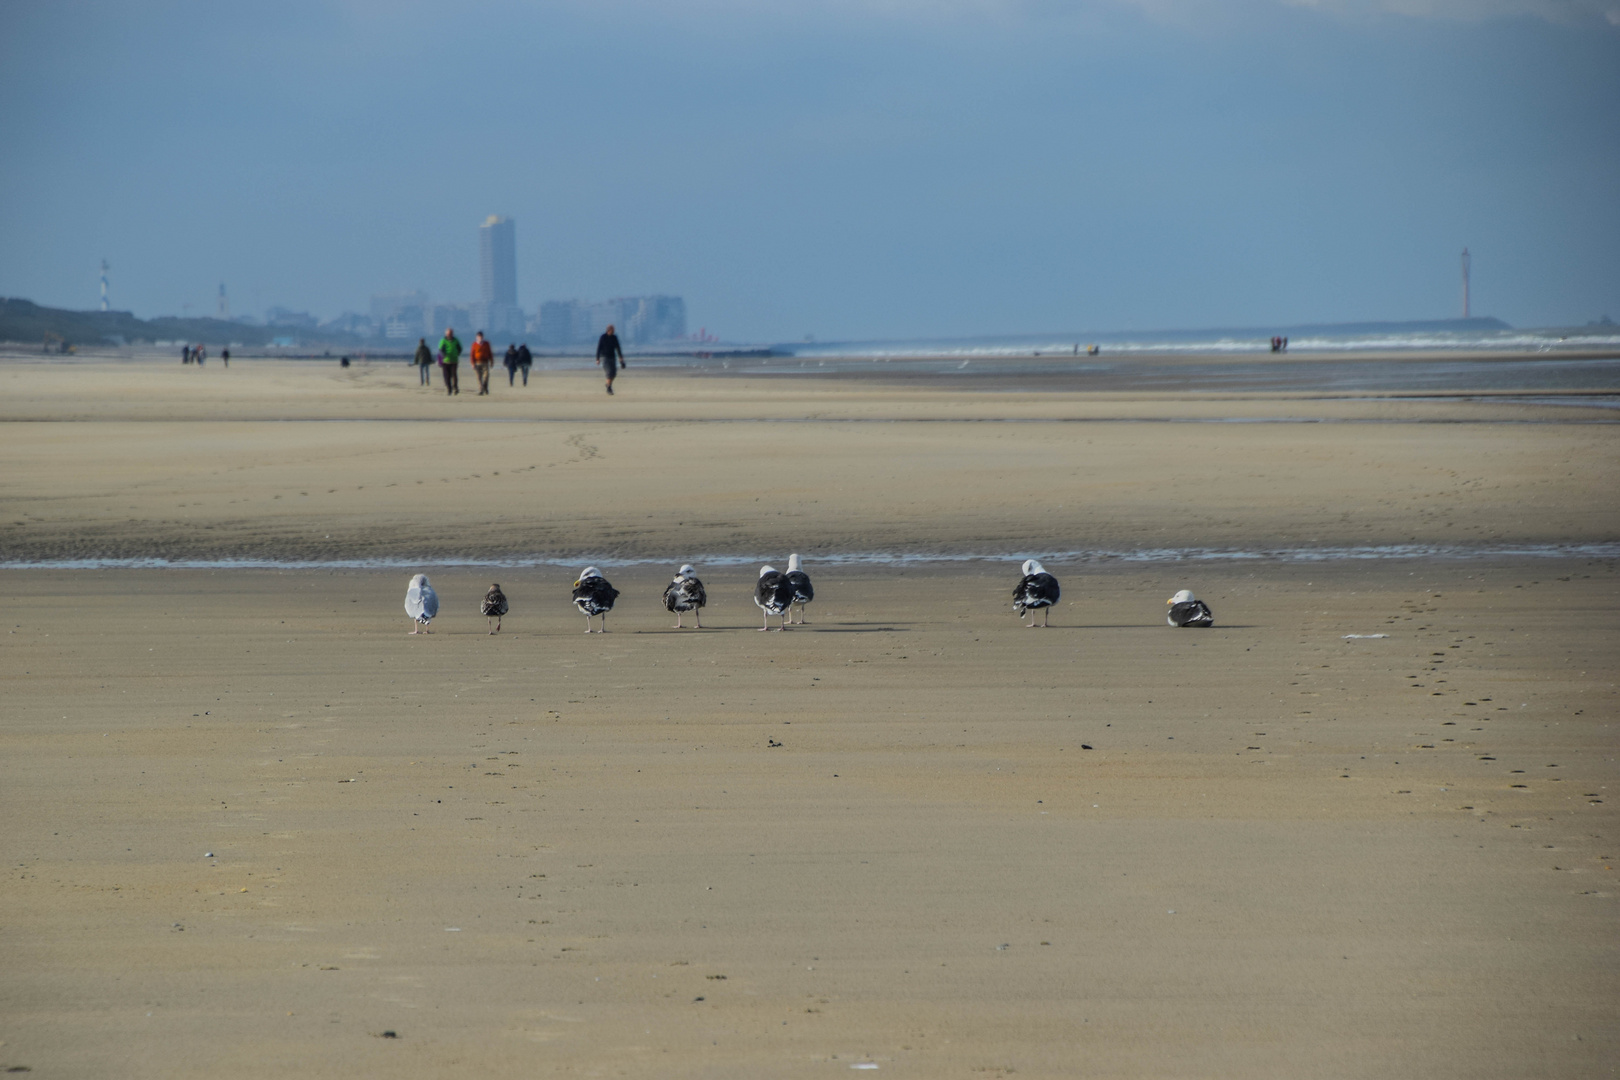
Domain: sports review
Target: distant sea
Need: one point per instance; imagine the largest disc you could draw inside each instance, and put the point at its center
(1447, 335)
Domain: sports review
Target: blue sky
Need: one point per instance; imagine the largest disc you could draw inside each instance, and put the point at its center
(839, 168)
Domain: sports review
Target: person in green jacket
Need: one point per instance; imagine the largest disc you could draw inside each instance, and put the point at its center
(424, 362)
(449, 358)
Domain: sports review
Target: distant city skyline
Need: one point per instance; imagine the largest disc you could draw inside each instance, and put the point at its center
(894, 170)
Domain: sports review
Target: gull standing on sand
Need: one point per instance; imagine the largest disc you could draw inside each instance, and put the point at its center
(799, 582)
(686, 593)
(1188, 610)
(773, 595)
(421, 603)
(494, 607)
(594, 596)
(1037, 590)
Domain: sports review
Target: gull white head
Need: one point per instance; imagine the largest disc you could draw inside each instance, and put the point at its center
(687, 571)
(1033, 566)
(766, 570)
(589, 572)
(793, 563)
(419, 580)
(1183, 597)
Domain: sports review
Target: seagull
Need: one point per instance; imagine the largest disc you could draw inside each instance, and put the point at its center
(594, 596)
(799, 582)
(1188, 610)
(421, 603)
(494, 606)
(773, 595)
(1038, 589)
(686, 593)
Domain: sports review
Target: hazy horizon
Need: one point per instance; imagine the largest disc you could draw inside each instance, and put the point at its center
(897, 169)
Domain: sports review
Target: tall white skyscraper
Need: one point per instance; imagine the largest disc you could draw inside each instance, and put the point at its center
(497, 264)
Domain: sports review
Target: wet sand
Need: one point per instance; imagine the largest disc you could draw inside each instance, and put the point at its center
(295, 460)
(1109, 848)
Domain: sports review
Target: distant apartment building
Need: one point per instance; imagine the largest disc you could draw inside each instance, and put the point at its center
(458, 316)
(401, 315)
(280, 316)
(351, 322)
(646, 319)
(497, 265)
(639, 320)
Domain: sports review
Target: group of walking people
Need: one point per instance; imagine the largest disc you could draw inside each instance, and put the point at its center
(609, 355)
(198, 354)
(482, 358)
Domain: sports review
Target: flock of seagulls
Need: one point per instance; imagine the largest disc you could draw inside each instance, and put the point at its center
(775, 593)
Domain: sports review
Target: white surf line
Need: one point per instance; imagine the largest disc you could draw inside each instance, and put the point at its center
(1609, 550)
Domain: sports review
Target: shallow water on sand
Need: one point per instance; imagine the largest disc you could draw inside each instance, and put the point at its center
(875, 558)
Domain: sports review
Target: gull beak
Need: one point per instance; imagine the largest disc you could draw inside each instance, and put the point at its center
(1172, 600)
(576, 584)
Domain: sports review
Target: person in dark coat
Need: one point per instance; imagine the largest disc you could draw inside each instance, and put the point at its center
(424, 362)
(511, 362)
(609, 355)
(524, 360)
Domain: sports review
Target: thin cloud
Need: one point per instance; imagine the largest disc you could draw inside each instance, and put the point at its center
(1558, 11)
(1174, 11)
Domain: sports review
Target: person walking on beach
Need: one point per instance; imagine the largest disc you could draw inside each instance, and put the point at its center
(185, 354)
(450, 360)
(609, 355)
(225, 357)
(483, 358)
(424, 361)
(524, 359)
(201, 353)
(511, 363)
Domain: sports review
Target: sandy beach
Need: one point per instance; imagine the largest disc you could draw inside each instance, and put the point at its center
(1363, 827)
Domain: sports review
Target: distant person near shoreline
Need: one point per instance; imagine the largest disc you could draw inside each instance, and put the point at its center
(225, 357)
(610, 355)
(511, 363)
(185, 354)
(424, 363)
(524, 360)
(450, 360)
(483, 358)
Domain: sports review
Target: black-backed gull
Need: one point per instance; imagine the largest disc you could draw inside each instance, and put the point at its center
(594, 596)
(799, 582)
(684, 594)
(1037, 590)
(1187, 610)
(773, 595)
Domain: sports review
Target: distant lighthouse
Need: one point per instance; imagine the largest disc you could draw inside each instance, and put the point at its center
(1465, 262)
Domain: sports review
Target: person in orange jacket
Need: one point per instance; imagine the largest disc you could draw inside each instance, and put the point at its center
(483, 358)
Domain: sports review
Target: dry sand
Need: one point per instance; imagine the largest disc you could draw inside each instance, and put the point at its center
(1105, 849)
